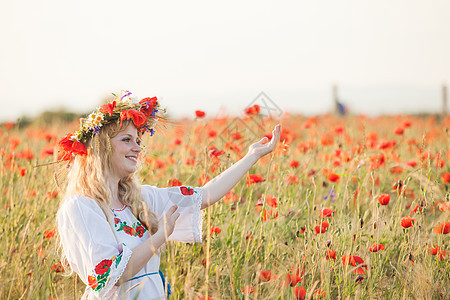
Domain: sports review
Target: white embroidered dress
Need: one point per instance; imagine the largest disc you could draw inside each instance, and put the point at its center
(95, 255)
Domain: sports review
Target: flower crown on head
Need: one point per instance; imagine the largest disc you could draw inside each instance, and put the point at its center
(142, 113)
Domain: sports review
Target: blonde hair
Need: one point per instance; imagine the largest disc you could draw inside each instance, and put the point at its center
(88, 177)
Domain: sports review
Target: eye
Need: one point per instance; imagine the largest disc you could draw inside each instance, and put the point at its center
(126, 139)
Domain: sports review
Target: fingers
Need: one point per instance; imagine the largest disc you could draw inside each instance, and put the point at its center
(172, 209)
(175, 217)
(263, 140)
(276, 134)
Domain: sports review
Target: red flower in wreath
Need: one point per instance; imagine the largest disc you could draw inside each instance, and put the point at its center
(79, 148)
(147, 105)
(186, 190)
(140, 230)
(70, 146)
(66, 143)
(103, 266)
(139, 119)
(129, 230)
(92, 281)
(108, 108)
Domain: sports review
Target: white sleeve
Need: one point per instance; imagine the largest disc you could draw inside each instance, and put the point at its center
(90, 245)
(188, 228)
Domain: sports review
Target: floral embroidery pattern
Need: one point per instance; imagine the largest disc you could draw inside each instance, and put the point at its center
(102, 271)
(187, 190)
(135, 229)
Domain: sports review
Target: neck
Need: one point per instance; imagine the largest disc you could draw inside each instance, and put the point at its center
(114, 189)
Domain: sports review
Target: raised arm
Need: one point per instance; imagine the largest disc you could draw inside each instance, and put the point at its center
(220, 185)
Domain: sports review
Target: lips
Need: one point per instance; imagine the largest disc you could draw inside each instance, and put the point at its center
(132, 158)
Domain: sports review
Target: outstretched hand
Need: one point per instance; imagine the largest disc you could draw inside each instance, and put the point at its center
(264, 147)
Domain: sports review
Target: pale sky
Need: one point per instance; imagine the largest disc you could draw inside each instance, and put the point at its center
(386, 56)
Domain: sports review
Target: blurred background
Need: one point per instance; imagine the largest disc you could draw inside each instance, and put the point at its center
(378, 57)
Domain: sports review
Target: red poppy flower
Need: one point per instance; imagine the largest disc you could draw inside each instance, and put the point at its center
(139, 119)
(140, 230)
(212, 133)
(247, 290)
(318, 294)
(444, 206)
(9, 125)
(266, 276)
(108, 108)
(129, 230)
(69, 146)
(445, 177)
(254, 178)
(376, 247)
(333, 177)
(407, 222)
(322, 228)
(271, 201)
(66, 143)
(269, 214)
(215, 230)
(291, 279)
(103, 266)
(57, 268)
(294, 163)
(79, 148)
(442, 254)
(186, 190)
(384, 199)
(23, 171)
(326, 212)
(435, 250)
(203, 179)
(199, 114)
(147, 105)
(48, 234)
(291, 179)
(412, 163)
(215, 153)
(398, 131)
(92, 281)
(235, 135)
(174, 182)
(354, 261)
(442, 228)
(299, 292)
(330, 254)
(253, 110)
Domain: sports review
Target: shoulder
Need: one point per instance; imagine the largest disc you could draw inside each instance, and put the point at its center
(79, 205)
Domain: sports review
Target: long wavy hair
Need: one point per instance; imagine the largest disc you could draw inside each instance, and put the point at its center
(88, 177)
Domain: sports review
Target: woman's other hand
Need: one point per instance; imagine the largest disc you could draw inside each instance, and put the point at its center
(167, 222)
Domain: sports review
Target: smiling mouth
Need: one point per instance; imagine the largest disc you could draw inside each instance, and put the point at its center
(132, 158)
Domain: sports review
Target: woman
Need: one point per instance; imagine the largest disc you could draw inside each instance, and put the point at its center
(111, 227)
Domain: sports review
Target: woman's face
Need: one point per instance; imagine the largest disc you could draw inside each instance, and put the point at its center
(125, 152)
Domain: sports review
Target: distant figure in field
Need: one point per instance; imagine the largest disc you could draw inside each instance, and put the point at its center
(111, 227)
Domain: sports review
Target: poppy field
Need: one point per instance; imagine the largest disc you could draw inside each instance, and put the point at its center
(351, 207)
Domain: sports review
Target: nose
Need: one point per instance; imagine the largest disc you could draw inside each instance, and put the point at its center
(136, 148)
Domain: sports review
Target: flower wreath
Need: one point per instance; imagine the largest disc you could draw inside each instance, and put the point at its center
(143, 113)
